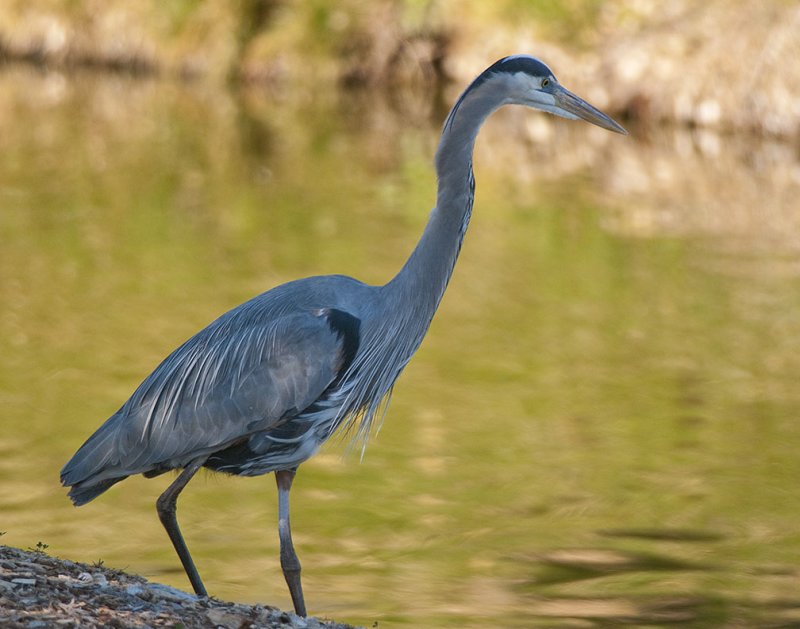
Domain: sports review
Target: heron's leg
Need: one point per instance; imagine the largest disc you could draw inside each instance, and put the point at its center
(166, 507)
(289, 561)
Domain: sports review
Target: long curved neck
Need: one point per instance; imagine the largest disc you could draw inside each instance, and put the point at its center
(407, 303)
(421, 282)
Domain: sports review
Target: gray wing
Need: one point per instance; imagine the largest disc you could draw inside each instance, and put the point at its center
(238, 376)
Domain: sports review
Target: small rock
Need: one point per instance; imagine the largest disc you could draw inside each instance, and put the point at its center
(134, 590)
(171, 594)
(222, 618)
(24, 581)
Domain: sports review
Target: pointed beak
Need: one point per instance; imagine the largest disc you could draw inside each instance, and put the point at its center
(579, 108)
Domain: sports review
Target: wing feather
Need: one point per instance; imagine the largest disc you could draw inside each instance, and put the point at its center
(238, 376)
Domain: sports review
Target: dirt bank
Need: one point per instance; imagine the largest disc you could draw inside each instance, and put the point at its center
(714, 64)
(38, 591)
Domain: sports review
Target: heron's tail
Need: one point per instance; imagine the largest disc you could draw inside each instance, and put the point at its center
(80, 494)
(95, 466)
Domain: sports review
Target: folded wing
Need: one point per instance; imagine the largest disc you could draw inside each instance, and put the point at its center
(240, 375)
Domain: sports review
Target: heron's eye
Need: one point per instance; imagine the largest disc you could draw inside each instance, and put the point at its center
(545, 82)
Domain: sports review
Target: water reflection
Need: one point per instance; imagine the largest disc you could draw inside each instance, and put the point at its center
(601, 428)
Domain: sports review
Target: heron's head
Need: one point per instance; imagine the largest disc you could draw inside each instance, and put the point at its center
(527, 81)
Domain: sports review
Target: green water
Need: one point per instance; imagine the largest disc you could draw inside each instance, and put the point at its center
(601, 428)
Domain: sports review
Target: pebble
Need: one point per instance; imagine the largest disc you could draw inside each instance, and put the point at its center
(134, 590)
(171, 594)
(24, 581)
(222, 618)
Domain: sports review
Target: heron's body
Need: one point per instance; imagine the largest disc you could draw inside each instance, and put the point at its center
(259, 389)
(263, 386)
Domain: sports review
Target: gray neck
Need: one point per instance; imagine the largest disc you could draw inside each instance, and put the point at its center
(408, 302)
(421, 282)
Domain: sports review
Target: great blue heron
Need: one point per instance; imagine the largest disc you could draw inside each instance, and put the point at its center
(265, 385)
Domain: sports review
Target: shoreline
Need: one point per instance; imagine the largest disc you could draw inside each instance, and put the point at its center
(39, 591)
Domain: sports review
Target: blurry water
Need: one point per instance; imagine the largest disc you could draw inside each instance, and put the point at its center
(602, 427)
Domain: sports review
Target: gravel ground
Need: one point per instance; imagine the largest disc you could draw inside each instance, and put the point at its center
(40, 591)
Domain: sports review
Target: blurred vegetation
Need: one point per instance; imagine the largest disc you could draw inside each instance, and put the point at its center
(677, 61)
(567, 22)
(259, 38)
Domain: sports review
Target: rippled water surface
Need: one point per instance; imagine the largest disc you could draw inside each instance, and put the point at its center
(601, 428)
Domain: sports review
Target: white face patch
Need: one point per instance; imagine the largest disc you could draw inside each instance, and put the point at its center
(520, 85)
(524, 89)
